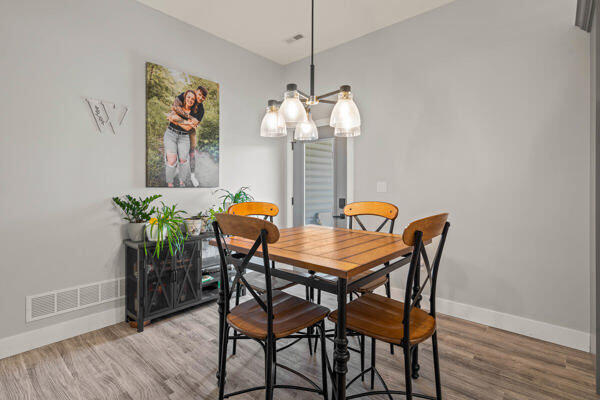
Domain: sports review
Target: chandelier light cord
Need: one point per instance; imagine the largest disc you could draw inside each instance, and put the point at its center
(312, 50)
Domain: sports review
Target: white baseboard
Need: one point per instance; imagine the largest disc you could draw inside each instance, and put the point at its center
(29, 340)
(524, 326)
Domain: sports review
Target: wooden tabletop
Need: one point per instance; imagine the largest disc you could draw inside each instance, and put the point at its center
(334, 251)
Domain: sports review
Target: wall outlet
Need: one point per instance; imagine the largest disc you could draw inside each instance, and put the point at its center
(381, 187)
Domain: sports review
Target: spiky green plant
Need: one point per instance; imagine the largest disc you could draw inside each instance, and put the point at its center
(241, 196)
(167, 223)
(136, 210)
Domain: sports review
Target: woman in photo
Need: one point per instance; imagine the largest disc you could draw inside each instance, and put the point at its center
(177, 142)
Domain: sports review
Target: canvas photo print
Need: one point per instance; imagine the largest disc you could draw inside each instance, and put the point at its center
(182, 129)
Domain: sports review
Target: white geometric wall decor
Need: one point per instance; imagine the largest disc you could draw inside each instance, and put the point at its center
(106, 115)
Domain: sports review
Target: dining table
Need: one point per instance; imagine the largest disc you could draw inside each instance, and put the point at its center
(344, 254)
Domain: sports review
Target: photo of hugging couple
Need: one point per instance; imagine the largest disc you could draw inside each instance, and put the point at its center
(180, 135)
(182, 122)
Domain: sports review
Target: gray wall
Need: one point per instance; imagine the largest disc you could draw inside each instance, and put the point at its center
(481, 108)
(57, 173)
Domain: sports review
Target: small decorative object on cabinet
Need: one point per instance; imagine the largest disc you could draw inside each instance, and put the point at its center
(197, 224)
(168, 284)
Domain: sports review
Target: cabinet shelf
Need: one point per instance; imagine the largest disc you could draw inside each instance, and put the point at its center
(211, 263)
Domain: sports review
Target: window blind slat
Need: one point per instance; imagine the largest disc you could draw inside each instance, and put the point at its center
(318, 179)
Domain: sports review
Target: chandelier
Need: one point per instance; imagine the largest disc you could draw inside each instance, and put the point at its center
(295, 110)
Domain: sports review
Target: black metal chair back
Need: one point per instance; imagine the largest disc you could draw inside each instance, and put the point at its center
(262, 232)
(415, 235)
(387, 211)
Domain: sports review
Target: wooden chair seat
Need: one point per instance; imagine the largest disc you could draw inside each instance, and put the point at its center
(381, 318)
(291, 314)
(367, 288)
(257, 281)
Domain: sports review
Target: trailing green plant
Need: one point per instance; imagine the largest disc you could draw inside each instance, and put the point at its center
(167, 223)
(212, 213)
(136, 210)
(241, 196)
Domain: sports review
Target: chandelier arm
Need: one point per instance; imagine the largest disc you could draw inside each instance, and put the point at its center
(327, 101)
(302, 94)
(328, 94)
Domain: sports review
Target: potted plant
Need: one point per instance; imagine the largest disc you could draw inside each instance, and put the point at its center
(211, 216)
(165, 228)
(228, 198)
(196, 224)
(137, 212)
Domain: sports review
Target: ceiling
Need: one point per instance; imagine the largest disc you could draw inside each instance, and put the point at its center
(262, 26)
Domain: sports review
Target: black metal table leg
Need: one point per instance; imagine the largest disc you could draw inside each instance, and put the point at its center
(340, 352)
(415, 351)
(221, 304)
(310, 329)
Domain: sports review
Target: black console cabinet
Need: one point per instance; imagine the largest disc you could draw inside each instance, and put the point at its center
(168, 284)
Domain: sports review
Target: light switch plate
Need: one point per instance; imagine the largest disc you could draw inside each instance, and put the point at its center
(381, 187)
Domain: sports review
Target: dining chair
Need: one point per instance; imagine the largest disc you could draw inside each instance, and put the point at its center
(265, 318)
(255, 279)
(354, 211)
(403, 323)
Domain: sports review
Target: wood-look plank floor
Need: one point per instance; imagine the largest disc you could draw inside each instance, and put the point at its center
(176, 359)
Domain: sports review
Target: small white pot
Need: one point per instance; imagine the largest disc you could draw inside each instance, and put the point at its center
(194, 226)
(152, 234)
(135, 230)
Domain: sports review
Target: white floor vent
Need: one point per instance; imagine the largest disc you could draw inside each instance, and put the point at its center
(61, 301)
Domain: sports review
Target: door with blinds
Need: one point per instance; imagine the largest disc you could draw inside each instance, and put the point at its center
(320, 180)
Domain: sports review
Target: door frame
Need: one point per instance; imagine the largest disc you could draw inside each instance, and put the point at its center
(289, 174)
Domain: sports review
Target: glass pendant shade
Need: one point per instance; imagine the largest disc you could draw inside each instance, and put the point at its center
(345, 115)
(352, 132)
(306, 130)
(273, 123)
(292, 109)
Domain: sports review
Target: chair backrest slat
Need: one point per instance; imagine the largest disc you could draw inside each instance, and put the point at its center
(430, 227)
(377, 208)
(247, 227)
(254, 208)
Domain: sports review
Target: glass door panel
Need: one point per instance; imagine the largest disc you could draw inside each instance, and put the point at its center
(320, 180)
